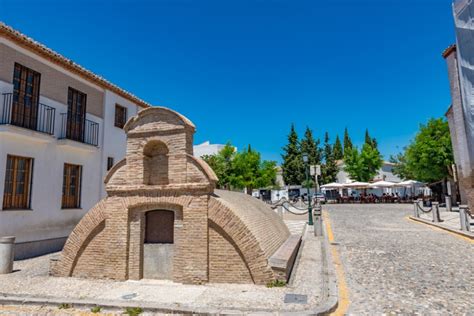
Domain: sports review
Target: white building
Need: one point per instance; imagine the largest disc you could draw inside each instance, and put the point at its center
(207, 148)
(60, 131)
(385, 173)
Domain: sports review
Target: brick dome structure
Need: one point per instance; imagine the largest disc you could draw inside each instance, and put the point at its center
(163, 219)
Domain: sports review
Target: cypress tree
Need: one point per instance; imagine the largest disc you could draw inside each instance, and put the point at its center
(330, 168)
(369, 140)
(292, 165)
(347, 142)
(337, 149)
(310, 146)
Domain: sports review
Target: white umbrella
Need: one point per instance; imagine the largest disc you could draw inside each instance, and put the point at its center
(382, 184)
(332, 185)
(408, 183)
(356, 185)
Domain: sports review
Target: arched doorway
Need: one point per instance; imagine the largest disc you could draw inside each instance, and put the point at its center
(158, 244)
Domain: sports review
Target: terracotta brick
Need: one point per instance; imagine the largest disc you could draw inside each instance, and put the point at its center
(218, 236)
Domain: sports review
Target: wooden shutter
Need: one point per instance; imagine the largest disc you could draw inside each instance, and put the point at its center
(71, 197)
(18, 177)
(26, 85)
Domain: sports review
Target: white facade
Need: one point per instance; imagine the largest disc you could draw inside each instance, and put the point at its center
(385, 173)
(45, 225)
(207, 148)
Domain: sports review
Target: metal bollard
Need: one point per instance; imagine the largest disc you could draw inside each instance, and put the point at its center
(318, 225)
(7, 245)
(464, 217)
(280, 210)
(416, 211)
(449, 204)
(435, 212)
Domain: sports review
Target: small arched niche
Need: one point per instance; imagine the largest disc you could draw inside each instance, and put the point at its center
(155, 163)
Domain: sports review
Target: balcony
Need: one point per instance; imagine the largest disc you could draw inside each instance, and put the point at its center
(76, 128)
(24, 116)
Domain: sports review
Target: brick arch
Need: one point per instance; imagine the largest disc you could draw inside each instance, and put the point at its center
(136, 227)
(239, 233)
(92, 223)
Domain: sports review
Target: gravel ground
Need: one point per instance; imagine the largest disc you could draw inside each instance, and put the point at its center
(394, 265)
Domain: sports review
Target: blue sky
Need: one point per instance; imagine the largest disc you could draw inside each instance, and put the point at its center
(243, 71)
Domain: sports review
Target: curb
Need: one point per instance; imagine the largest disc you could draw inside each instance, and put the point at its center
(328, 303)
(329, 272)
(452, 230)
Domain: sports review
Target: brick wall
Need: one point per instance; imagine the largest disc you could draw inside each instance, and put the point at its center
(219, 236)
(226, 262)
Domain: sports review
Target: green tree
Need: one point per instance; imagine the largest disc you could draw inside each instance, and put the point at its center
(221, 163)
(400, 166)
(363, 165)
(292, 166)
(329, 169)
(347, 142)
(310, 146)
(429, 156)
(249, 172)
(369, 140)
(337, 149)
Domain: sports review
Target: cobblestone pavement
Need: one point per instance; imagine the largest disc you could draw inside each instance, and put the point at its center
(393, 265)
(450, 220)
(31, 280)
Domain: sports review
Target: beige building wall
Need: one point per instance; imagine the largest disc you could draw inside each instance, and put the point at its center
(54, 83)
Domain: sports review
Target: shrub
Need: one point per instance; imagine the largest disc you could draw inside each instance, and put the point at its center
(276, 283)
(133, 311)
(96, 309)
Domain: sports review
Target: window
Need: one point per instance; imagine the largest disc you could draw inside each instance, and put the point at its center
(26, 84)
(71, 186)
(159, 227)
(120, 116)
(76, 114)
(110, 163)
(18, 179)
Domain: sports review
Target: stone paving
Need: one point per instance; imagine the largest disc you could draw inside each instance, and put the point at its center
(396, 266)
(31, 280)
(450, 220)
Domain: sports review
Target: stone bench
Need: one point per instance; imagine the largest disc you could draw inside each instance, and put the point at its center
(283, 259)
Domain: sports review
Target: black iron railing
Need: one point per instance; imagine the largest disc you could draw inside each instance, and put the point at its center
(76, 127)
(39, 118)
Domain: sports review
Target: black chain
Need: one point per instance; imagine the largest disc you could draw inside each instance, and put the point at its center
(468, 212)
(422, 209)
(296, 213)
(283, 201)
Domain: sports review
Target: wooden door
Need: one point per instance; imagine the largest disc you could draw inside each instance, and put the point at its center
(158, 248)
(76, 115)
